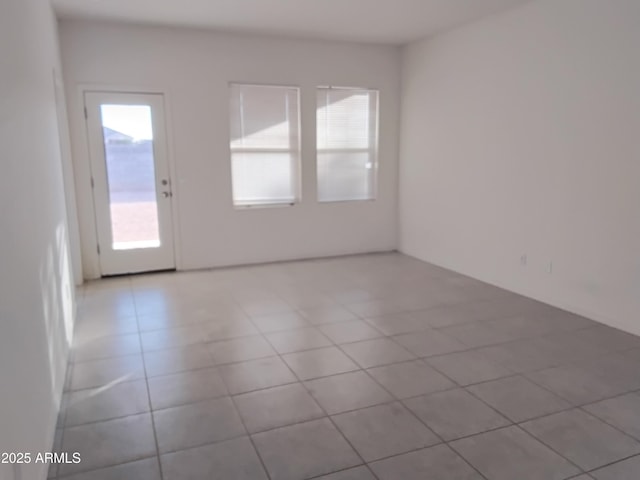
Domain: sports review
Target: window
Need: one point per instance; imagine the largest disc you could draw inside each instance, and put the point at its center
(347, 143)
(265, 144)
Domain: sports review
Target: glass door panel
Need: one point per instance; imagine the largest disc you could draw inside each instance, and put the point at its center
(131, 184)
(131, 176)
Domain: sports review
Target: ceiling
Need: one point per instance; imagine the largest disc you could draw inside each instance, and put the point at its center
(372, 21)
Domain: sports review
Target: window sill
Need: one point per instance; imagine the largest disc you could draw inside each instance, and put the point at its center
(262, 206)
(329, 202)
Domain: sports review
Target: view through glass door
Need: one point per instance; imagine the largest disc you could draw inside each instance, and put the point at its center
(130, 179)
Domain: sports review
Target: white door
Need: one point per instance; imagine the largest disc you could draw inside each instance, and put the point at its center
(131, 183)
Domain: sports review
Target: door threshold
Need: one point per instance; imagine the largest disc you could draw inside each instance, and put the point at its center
(138, 274)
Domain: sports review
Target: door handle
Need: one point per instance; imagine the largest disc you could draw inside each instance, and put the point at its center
(167, 194)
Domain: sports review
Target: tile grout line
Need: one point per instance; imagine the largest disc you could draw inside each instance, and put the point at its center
(146, 381)
(414, 415)
(636, 455)
(574, 362)
(244, 426)
(454, 387)
(402, 399)
(396, 399)
(582, 407)
(327, 416)
(521, 428)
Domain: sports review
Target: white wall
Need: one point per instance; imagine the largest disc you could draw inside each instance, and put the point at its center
(521, 136)
(36, 285)
(193, 68)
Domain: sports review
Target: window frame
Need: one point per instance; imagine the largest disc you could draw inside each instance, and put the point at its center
(373, 150)
(296, 162)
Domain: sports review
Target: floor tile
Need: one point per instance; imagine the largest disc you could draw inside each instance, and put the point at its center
(455, 413)
(466, 312)
(307, 300)
(323, 315)
(477, 334)
(304, 450)
(429, 343)
(348, 391)
(147, 469)
(233, 459)
(624, 470)
(565, 347)
(109, 443)
(240, 349)
(298, 340)
(279, 322)
(372, 308)
(466, 368)
(167, 320)
(520, 356)
(399, 323)
(277, 407)
(348, 295)
(356, 473)
(376, 352)
(435, 463)
(226, 329)
(256, 374)
(383, 431)
(197, 424)
(106, 347)
(518, 398)
(622, 412)
(345, 332)
(177, 360)
(88, 329)
(410, 379)
(154, 301)
(617, 369)
(416, 301)
(510, 453)
(610, 339)
(519, 327)
(104, 403)
(582, 438)
(172, 338)
(256, 331)
(270, 306)
(632, 355)
(97, 373)
(319, 363)
(186, 387)
(576, 384)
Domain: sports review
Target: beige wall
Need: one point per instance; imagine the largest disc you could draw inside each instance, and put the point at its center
(520, 136)
(36, 284)
(193, 69)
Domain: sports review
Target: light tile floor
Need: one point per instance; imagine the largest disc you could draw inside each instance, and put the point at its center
(364, 367)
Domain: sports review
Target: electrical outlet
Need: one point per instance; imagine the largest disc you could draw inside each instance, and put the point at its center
(523, 260)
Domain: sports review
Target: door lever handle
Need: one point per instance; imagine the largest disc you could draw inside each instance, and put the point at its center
(167, 194)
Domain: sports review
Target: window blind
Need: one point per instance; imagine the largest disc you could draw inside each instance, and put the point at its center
(347, 143)
(265, 144)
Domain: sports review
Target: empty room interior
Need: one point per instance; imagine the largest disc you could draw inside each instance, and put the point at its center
(320, 239)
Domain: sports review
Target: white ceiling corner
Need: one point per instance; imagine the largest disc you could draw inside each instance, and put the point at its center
(392, 22)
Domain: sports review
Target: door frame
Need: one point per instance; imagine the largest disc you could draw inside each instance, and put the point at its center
(83, 172)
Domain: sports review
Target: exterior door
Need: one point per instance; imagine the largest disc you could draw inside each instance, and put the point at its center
(131, 183)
